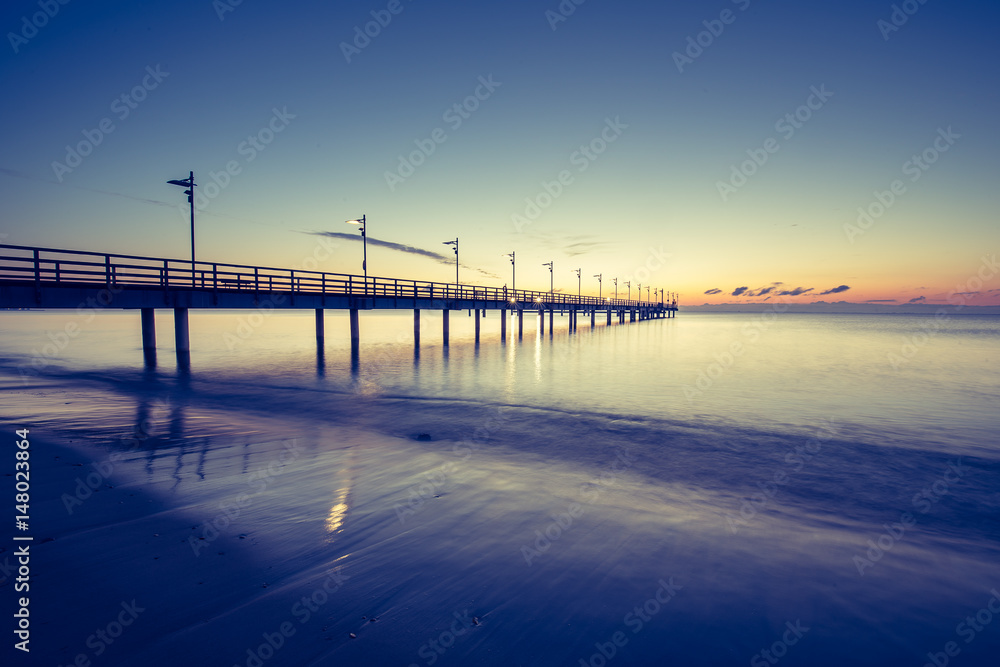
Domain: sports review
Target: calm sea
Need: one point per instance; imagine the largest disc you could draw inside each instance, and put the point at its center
(831, 472)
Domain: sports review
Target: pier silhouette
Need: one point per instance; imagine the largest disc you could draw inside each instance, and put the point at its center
(33, 277)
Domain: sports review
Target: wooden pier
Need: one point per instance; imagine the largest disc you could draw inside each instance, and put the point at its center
(33, 277)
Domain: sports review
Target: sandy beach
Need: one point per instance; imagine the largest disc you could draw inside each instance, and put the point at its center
(174, 524)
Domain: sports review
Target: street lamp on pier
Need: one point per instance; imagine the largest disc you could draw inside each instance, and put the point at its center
(513, 271)
(552, 278)
(190, 185)
(454, 243)
(361, 223)
(600, 279)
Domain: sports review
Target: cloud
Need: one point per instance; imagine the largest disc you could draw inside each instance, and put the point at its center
(448, 259)
(795, 292)
(917, 299)
(740, 290)
(444, 259)
(714, 290)
(881, 301)
(570, 245)
(836, 290)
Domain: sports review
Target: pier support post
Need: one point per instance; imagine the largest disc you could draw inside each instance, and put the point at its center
(593, 315)
(541, 321)
(520, 322)
(609, 317)
(551, 327)
(503, 324)
(477, 325)
(148, 335)
(355, 329)
(320, 325)
(182, 340)
(445, 326)
(416, 326)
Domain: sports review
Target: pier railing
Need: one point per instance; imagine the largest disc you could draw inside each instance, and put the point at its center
(71, 267)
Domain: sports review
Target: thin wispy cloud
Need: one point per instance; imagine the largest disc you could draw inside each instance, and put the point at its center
(836, 290)
(570, 245)
(917, 299)
(714, 290)
(440, 258)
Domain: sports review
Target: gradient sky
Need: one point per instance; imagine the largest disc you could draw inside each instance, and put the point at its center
(654, 190)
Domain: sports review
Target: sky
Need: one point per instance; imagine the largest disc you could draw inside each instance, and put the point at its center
(731, 151)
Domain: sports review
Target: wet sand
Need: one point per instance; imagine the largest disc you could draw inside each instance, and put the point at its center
(298, 528)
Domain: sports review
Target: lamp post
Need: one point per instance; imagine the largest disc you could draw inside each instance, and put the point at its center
(551, 276)
(362, 222)
(640, 293)
(579, 282)
(648, 298)
(454, 243)
(629, 284)
(190, 185)
(513, 272)
(616, 289)
(600, 279)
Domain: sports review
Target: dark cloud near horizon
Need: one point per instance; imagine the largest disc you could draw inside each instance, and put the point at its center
(917, 299)
(740, 290)
(714, 290)
(836, 290)
(795, 292)
(881, 301)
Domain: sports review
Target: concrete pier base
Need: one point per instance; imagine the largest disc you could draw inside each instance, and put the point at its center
(148, 336)
(446, 326)
(182, 340)
(355, 329)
